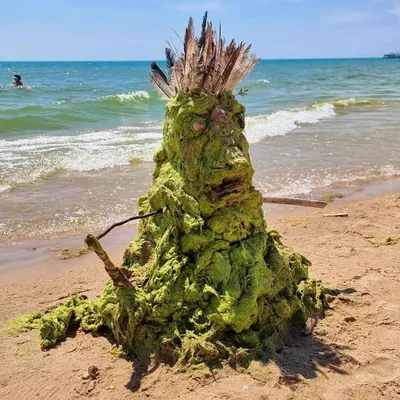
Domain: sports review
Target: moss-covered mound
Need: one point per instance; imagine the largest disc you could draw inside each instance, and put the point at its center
(215, 279)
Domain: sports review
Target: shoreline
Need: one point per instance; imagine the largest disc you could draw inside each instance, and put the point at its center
(33, 259)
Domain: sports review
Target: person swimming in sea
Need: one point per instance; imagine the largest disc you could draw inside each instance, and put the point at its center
(17, 80)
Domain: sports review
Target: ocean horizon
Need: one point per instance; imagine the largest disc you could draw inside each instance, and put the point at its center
(162, 60)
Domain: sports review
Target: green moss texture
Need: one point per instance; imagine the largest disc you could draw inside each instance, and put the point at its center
(219, 284)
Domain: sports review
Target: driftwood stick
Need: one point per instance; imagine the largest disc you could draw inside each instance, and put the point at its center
(117, 274)
(108, 230)
(336, 215)
(295, 202)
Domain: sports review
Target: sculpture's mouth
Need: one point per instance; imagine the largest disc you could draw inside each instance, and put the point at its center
(226, 188)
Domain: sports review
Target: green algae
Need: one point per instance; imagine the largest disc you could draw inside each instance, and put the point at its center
(219, 284)
(384, 241)
(330, 197)
(133, 162)
(73, 253)
(21, 324)
(76, 311)
(298, 220)
(117, 352)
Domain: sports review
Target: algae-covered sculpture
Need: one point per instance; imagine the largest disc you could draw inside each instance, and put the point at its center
(205, 280)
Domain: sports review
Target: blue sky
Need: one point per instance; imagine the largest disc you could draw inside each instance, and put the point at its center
(135, 30)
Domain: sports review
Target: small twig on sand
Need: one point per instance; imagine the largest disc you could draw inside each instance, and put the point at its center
(295, 202)
(336, 215)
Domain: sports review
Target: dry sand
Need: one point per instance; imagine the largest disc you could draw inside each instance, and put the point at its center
(354, 352)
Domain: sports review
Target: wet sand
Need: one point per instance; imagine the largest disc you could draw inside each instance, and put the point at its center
(353, 353)
(28, 254)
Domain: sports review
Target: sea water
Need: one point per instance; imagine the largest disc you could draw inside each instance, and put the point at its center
(76, 141)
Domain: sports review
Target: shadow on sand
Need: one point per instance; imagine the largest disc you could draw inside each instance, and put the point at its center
(298, 357)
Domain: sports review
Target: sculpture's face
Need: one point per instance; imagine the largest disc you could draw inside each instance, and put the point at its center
(204, 139)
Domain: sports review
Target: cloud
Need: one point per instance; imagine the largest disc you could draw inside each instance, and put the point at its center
(209, 5)
(350, 17)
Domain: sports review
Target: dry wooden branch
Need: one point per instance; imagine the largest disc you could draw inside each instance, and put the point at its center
(108, 230)
(336, 215)
(117, 274)
(295, 202)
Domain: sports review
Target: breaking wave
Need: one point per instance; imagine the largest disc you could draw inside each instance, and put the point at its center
(288, 185)
(342, 103)
(127, 97)
(24, 161)
(284, 121)
(263, 81)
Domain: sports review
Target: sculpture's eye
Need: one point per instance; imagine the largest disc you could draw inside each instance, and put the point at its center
(198, 126)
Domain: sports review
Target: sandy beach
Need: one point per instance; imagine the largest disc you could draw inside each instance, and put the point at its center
(352, 354)
(217, 219)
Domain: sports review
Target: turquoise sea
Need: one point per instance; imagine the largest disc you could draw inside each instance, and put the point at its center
(76, 141)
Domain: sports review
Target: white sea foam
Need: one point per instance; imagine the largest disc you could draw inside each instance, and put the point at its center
(264, 81)
(3, 188)
(130, 96)
(352, 101)
(289, 184)
(26, 160)
(389, 170)
(282, 122)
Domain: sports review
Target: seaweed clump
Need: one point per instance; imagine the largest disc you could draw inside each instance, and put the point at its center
(218, 283)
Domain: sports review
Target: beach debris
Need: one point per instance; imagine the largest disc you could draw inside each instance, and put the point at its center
(21, 324)
(73, 253)
(385, 241)
(331, 196)
(218, 284)
(119, 276)
(295, 202)
(125, 221)
(135, 161)
(93, 372)
(338, 215)
(309, 326)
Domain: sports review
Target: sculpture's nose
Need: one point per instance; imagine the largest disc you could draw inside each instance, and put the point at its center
(219, 115)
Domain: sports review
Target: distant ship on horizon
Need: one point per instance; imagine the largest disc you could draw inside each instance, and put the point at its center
(392, 55)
